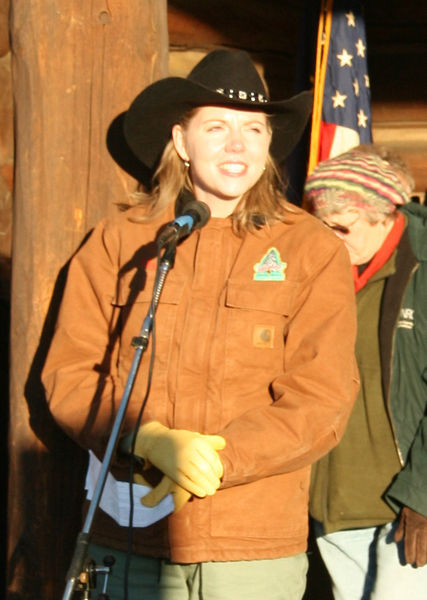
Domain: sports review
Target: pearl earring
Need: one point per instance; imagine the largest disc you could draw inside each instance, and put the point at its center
(186, 163)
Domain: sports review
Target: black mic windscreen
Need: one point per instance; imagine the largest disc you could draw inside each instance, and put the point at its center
(199, 211)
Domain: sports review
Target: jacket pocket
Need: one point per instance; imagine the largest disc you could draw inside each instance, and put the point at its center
(258, 314)
(276, 297)
(134, 307)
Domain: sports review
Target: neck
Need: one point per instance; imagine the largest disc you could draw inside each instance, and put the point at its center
(221, 208)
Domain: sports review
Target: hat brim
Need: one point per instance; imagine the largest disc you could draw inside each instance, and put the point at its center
(123, 155)
(148, 122)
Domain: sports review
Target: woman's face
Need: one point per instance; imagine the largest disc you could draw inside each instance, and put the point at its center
(227, 150)
(362, 238)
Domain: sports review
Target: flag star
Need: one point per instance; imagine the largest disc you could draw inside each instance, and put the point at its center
(338, 100)
(367, 83)
(362, 119)
(351, 21)
(345, 58)
(356, 87)
(360, 46)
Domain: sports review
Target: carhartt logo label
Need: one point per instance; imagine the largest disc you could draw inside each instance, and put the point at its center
(406, 318)
(263, 336)
(271, 267)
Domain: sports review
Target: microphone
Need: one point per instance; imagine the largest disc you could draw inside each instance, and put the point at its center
(194, 215)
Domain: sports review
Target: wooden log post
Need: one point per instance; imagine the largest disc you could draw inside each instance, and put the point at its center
(6, 183)
(76, 65)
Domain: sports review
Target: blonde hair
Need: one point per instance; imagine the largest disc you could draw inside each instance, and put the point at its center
(264, 203)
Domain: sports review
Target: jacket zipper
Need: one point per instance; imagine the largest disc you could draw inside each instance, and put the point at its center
(390, 413)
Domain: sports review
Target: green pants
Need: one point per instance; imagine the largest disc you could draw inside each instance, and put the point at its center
(157, 579)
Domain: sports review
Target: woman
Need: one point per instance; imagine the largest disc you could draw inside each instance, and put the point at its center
(369, 494)
(253, 375)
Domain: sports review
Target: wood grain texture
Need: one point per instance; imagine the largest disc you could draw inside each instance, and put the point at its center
(76, 65)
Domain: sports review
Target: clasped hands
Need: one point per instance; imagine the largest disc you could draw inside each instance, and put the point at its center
(188, 460)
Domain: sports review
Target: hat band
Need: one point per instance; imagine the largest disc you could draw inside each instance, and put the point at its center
(242, 95)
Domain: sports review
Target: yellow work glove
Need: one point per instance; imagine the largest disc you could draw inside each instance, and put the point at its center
(187, 457)
(166, 486)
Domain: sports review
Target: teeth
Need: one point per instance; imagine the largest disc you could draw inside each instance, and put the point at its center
(233, 167)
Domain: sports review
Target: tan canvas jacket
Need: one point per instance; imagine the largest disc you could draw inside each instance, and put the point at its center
(254, 340)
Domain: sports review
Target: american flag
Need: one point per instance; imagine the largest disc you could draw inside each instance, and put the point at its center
(341, 112)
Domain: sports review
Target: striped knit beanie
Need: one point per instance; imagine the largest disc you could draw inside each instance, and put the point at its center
(356, 179)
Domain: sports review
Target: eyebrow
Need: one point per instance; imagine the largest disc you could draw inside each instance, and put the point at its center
(251, 118)
(219, 120)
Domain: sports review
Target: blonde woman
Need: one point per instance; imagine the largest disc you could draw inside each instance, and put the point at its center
(253, 376)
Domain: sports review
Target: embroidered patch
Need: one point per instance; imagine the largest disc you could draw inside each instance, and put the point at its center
(406, 318)
(271, 267)
(263, 336)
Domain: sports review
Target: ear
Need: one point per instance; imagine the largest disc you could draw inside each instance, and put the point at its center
(178, 139)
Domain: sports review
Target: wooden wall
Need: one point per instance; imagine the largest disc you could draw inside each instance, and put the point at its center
(397, 54)
(76, 65)
(6, 142)
(6, 177)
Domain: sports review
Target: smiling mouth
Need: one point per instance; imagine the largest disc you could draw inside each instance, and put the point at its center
(233, 168)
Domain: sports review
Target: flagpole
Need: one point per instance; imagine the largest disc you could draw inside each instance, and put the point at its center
(322, 49)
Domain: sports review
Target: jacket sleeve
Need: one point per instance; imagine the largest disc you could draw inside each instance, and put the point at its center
(313, 396)
(408, 391)
(79, 374)
(409, 488)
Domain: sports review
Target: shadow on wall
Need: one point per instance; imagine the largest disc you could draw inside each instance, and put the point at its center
(4, 415)
(52, 475)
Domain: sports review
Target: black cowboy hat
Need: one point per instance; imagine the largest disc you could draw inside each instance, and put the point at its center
(224, 78)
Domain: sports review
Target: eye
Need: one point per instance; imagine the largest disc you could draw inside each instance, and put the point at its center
(339, 228)
(214, 127)
(255, 128)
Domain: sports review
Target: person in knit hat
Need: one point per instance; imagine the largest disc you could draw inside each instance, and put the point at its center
(235, 399)
(369, 494)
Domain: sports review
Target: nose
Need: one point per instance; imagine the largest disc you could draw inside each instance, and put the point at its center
(235, 142)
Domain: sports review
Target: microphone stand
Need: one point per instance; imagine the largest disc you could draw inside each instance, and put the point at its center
(140, 343)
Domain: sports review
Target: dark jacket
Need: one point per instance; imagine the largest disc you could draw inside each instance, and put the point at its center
(404, 348)
(337, 498)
